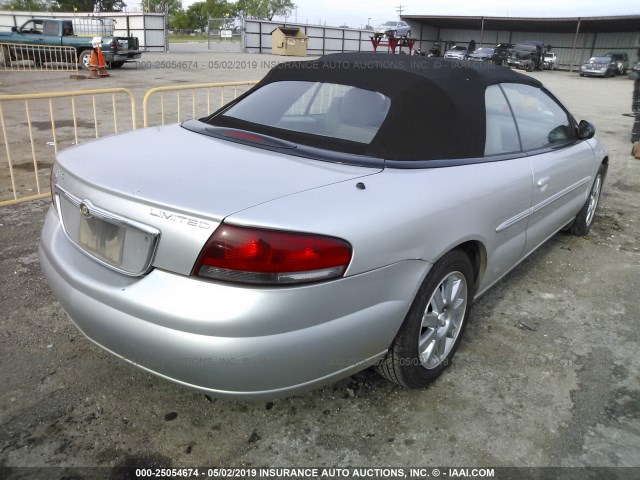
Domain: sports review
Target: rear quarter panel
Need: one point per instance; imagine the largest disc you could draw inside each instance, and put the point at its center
(413, 214)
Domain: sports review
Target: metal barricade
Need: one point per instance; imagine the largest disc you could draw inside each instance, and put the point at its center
(17, 57)
(34, 127)
(202, 99)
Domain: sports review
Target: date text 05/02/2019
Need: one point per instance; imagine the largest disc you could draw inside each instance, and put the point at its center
(200, 65)
(317, 473)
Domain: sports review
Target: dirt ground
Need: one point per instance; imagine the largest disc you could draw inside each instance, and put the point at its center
(548, 373)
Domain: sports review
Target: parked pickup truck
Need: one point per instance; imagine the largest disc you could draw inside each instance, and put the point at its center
(57, 32)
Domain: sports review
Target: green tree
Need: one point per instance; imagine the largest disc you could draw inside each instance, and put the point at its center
(197, 17)
(159, 6)
(216, 8)
(281, 8)
(263, 9)
(88, 5)
(199, 13)
(180, 21)
(67, 5)
(26, 5)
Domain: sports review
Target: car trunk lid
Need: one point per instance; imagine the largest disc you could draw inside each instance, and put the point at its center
(181, 183)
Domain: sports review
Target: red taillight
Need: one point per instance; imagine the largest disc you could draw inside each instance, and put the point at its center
(244, 136)
(113, 45)
(256, 255)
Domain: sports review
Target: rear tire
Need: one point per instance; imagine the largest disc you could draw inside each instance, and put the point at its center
(116, 64)
(433, 328)
(584, 220)
(84, 59)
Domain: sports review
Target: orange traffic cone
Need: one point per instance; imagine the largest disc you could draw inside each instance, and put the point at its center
(102, 67)
(93, 65)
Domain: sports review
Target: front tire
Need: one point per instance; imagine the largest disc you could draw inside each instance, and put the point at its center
(584, 220)
(433, 328)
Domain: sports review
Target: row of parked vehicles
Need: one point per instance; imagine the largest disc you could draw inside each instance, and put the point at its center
(531, 56)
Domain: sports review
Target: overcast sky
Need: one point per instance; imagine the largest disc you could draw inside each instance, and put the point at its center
(355, 13)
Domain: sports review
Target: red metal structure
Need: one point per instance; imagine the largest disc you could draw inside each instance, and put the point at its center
(392, 42)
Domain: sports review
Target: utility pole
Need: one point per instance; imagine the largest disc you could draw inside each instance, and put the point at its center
(399, 9)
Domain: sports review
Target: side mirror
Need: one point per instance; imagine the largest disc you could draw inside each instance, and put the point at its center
(14, 29)
(586, 130)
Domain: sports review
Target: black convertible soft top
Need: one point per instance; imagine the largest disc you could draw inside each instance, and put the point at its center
(437, 106)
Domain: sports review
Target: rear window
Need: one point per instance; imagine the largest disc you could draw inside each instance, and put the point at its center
(324, 109)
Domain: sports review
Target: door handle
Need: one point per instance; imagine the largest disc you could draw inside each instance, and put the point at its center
(543, 182)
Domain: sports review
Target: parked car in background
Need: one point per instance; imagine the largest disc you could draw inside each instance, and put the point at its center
(526, 56)
(483, 54)
(457, 52)
(393, 28)
(598, 67)
(327, 220)
(550, 61)
(620, 61)
(502, 52)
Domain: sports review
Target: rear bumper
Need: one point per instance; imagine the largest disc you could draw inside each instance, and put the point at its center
(231, 341)
(122, 57)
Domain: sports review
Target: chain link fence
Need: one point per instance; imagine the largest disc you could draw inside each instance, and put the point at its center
(224, 31)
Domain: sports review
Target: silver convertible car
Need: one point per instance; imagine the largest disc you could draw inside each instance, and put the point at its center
(343, 213)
